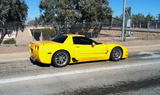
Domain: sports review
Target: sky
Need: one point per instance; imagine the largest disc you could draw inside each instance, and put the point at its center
(138, 6)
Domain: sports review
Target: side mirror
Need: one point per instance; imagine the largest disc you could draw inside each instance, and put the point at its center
(93, 44)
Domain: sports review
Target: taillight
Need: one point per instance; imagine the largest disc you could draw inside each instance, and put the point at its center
(37, 47)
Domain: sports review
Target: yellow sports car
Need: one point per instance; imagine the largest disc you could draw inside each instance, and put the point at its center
(70, 48)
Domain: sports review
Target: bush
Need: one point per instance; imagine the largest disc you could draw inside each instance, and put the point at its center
(10, 41)
(48, 33)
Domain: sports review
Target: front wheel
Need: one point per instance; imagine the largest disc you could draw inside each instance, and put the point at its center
(60, 59)
(116, 54)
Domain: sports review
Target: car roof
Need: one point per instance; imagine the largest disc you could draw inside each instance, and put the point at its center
(74, 35)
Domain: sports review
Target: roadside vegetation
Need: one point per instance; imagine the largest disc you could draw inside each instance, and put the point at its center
(10, 41)
(68, 16)
(48, 33)
(138, 20)
(13, 15)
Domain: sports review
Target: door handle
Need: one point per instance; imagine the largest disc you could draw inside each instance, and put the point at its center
(77, 46)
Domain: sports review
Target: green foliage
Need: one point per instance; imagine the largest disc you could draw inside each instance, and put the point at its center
(138, 18)
(31, 23)
(48, 33)
(36, 22)
(10, 41)
(13, 14)
(66, 13)
(117, 21)
(149, 17)
(128, 11)
(13, 11)
(159, 17)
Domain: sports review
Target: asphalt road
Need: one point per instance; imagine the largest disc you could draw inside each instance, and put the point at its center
(137, 75)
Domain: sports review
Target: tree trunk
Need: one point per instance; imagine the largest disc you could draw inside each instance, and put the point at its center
(96, 30)
(3, 34)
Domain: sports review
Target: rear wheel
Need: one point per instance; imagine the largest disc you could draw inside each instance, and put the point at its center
(116, 54)
(60, 59)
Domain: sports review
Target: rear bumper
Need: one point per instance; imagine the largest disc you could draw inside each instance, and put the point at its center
(38, 60)
(39, 54)
(34, 59)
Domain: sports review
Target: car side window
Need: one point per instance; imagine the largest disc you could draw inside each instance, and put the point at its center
(60, 39)
(82, 40)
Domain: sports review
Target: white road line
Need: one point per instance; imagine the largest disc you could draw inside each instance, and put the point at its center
(18, 79)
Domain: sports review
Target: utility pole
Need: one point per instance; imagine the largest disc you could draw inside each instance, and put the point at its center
(124, 21)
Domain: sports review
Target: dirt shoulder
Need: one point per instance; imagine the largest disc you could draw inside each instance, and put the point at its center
(13, 49)
(139, 43)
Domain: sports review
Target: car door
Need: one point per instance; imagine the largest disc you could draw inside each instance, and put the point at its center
(85, 51)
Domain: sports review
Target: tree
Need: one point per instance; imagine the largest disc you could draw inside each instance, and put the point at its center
(36, 22)
(12, 16)
(159, 17)
(149, 18)
(117, 21)
(138, 18)
(128, 12)
(31, 23)
(66, 13)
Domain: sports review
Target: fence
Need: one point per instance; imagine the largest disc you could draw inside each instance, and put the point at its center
(114, 34)
(155, 24)
(137, 31)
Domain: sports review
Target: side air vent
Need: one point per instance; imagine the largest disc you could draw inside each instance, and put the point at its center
(74, 60)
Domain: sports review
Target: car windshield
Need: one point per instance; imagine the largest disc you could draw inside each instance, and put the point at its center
(59, 39)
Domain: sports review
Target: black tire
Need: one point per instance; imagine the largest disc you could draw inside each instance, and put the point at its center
(60, 59)
(116, 54)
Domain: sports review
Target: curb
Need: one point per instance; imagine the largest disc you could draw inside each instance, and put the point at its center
(13, 60)
(143, 48)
